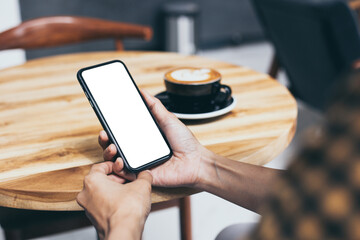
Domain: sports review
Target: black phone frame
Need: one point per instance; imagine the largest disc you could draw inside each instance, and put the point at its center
(106, 127)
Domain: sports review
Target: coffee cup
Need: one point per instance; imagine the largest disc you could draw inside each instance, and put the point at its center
(193, 89)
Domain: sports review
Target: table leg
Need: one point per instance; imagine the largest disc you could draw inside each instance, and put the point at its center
(274, 67)
(185, 218)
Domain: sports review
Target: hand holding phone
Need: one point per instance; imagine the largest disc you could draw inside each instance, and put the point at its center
(124, 115)
(189, 158)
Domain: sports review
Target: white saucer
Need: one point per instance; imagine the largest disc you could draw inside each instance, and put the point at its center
(197, 116)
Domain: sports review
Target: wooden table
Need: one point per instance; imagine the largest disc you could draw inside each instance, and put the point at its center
(48, 131)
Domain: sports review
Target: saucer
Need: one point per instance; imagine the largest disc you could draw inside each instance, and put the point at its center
(217, 110)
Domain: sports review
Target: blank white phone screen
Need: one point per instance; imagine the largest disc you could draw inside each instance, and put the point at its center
(125, 113)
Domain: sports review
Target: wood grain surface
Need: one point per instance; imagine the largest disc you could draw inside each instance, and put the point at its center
(48, 131)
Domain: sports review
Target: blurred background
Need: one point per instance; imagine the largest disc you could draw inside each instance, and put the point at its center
(227, 31)
(219, 24)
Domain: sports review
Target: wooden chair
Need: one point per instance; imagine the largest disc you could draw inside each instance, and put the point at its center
(57, 31)
(62, 30)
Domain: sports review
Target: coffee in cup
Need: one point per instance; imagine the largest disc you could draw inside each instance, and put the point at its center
(195, 89)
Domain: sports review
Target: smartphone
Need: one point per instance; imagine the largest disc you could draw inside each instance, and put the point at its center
(124, 115)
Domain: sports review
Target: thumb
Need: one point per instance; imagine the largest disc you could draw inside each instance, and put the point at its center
(161, 114)
(146, 176)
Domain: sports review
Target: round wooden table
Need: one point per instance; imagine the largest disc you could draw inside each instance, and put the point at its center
(48, 136)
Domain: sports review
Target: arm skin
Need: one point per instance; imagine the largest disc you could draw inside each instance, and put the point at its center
(195, 166)
(119, 210)
(244, 184)
(125, 227)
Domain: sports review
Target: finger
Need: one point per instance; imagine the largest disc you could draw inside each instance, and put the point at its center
(110, 152)
(148, 97)
(103, 168)
(116, 178)
(121, 171)
(146, 176)
(103, 139)
(80, 199)
(161, 114)
(119, 165)
(143, 182)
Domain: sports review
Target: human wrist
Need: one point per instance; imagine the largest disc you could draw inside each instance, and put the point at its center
(126, 226)
(208, 172)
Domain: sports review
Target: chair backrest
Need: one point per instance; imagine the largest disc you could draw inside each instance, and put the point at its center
(315, 40)
(63, 30)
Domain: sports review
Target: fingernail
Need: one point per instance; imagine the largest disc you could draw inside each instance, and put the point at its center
(111, 148)
(108, 150)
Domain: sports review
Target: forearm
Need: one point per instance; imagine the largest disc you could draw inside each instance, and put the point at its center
(243, 184)
(125, 228)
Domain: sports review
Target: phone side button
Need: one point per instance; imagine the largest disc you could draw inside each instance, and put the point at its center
(91, 104)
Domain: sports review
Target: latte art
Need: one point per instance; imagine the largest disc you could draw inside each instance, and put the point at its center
(190, 75)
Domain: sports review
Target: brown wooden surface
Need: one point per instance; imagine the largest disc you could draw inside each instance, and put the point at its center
(61, 30)
(48, 136)
(185, 218)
